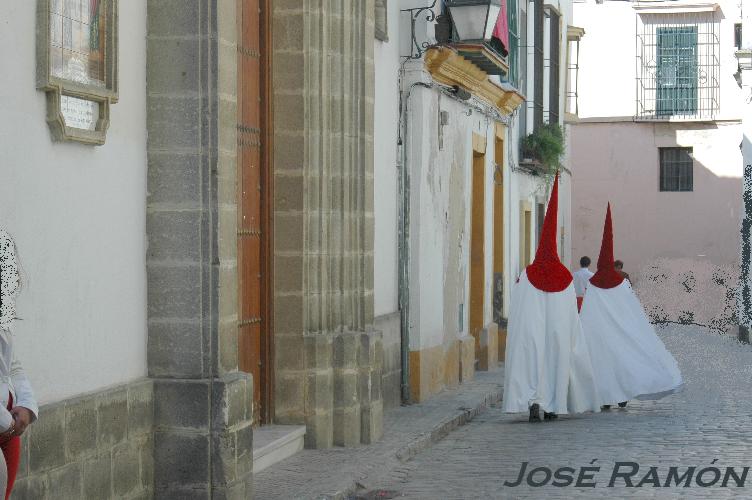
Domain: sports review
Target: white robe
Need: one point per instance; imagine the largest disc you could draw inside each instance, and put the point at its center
(547, 361)
(629, 359)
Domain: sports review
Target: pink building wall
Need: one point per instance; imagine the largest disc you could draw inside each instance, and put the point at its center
(680, 248)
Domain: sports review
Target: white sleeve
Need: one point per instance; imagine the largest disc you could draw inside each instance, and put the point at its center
(22, 387)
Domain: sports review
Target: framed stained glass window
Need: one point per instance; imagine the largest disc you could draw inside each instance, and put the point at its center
(77, 66)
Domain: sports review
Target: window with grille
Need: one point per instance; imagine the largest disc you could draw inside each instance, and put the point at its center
(553, 68)
(678, 72)
(539, 23)
(540, 215)
(523, 69)
(514, 42)
(676, 166)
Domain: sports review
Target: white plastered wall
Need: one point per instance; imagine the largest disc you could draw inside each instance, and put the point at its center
(77, 214)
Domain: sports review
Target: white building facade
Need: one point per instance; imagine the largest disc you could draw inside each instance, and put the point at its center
(457, 208)
(658, 136)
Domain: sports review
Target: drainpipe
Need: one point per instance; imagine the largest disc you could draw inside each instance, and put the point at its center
(404, 239)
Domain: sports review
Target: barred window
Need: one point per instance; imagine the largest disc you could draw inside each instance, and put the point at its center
(514, 42)
(678, 65)
(676, 166)
(677, 71)
(553, 68)
(538, 38)
(523, 69)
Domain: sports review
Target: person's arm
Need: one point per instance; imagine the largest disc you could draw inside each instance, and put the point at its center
(22, 387)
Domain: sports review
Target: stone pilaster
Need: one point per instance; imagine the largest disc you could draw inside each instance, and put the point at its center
(324, 223)
(203, 435)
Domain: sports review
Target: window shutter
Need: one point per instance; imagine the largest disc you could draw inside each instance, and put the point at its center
(676, 71)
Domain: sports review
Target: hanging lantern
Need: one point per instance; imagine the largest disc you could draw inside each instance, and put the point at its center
(479, 32)
(474, 20)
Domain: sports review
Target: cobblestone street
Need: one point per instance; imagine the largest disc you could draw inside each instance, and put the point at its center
(709, 420)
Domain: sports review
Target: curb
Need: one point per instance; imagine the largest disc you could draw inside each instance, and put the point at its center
(357, 490)
(463, 416)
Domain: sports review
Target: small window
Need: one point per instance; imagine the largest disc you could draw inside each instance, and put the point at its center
(738, 35)
(540, 215)
(676, 169)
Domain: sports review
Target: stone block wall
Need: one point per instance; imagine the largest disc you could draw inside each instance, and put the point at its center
(391, 380)
(328, 356)
(94, 447)
(342, 398)
(489, 347)
(467, 358)
(203, 417)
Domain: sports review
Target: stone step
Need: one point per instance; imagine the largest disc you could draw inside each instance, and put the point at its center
(274, 443)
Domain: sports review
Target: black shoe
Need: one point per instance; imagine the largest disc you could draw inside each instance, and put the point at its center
(534, 413)
(606, 407)
(550, 416)
(623, 404)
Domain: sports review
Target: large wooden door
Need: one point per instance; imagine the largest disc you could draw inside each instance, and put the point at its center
(254, 195)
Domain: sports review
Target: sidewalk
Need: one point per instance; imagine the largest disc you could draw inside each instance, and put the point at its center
(339, 472)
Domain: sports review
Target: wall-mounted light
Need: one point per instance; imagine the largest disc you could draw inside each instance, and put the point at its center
(474, 23)
(474, 20)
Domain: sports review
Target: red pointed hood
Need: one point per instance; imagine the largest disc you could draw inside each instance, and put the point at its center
(547, 273)
(606, 276)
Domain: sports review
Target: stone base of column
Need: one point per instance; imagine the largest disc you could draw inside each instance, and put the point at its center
(502, 343)
(203, 442)
(489, 347)
(343, 400)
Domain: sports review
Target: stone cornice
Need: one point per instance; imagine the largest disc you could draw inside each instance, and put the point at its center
(744, 56)
(672, 7)
(575, 33)
(446, 66)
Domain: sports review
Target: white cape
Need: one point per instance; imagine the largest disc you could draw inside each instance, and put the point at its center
(547, 361)
(629, 359)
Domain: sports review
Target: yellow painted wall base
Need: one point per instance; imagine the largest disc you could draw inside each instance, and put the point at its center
(426, 373)
(452, 366)
(437, 368)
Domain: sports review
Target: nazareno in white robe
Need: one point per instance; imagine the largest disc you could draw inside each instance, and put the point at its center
(547, 361)
(629, 360)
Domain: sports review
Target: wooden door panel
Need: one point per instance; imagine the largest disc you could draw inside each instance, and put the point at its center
(254, 186)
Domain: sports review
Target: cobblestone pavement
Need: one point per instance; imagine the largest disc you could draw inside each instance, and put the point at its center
(335, 472)
(709, 420)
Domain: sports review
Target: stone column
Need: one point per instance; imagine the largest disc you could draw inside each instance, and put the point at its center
(326, 370)
(203, 434)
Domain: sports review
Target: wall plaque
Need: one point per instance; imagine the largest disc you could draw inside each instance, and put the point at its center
(77, 66)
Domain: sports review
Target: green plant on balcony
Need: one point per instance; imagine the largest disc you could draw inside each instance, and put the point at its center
(545, 147)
